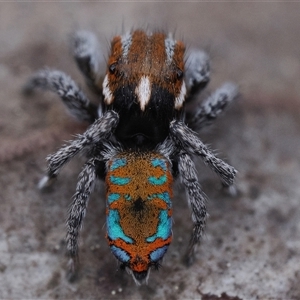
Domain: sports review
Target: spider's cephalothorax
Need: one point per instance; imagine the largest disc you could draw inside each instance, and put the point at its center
(140, 137)
(144, 84)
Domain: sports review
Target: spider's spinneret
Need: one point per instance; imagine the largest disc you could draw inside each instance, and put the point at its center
(139, 224)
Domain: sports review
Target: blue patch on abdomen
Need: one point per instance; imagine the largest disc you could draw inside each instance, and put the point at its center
(158, 254)
(119, 162)
(156, 162)
(163, 196)
(158, 180)
(119, 180)
(163, 228)
(122, 255)
(114, 229)
(113, 197)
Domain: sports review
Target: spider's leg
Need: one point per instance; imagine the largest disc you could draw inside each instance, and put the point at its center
(187, 140)
(88, 56)
(197, 72)
(60, 83)
(196, 200)
(167, 148)
(98, 132)
(213, 106)
(78, 209)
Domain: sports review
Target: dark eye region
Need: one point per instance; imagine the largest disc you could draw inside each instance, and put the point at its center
(179, 73)
(112, 68)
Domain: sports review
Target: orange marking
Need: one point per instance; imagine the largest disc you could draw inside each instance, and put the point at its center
(139, 169)
(139, 254)
(140, 222)
(146, 57)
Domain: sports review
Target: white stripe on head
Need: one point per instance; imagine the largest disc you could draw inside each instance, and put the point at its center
(181, 97)
(143, 92)
(108, 97)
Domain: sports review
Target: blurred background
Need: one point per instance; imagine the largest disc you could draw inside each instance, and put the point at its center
(251, 248)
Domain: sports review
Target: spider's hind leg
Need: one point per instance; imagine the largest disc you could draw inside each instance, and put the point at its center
(60, 83)
(196, 201)
(88, 56)
(77, 211)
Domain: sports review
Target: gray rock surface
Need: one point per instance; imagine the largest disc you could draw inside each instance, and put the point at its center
(251, 249)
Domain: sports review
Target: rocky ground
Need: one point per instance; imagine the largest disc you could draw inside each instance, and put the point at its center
(251, 248)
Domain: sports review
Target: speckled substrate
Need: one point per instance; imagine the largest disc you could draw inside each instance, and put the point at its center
(251, 249)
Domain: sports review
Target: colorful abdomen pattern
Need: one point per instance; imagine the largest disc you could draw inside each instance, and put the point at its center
(139, 209)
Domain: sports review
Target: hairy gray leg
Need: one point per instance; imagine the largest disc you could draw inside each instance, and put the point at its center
(213, 106)
(197, 72)
(99, 131)
(167, 148)
(196, 200)
(87, 54)
(187, 140)
(60, 83)
(78, 209)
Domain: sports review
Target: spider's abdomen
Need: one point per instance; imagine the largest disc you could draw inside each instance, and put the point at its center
(139, 210)
(144, 84)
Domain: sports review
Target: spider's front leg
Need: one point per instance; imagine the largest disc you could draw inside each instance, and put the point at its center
(60, 83)
(87, 54)
(78, 209)
(197, 74)
(213, 106)
(99, 131)
(187, 140)
(196, 200)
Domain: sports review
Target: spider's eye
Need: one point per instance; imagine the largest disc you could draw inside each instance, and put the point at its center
(112, 68)
(179, 73)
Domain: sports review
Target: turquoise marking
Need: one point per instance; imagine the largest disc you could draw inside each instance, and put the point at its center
(119, 180)
(127, 197)
(118, 163)
(159, 162)
(158, 180)
(113, 197)
(158, 254)
(120, 254)
(114, 229)
(163, 228)
(163, 196)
